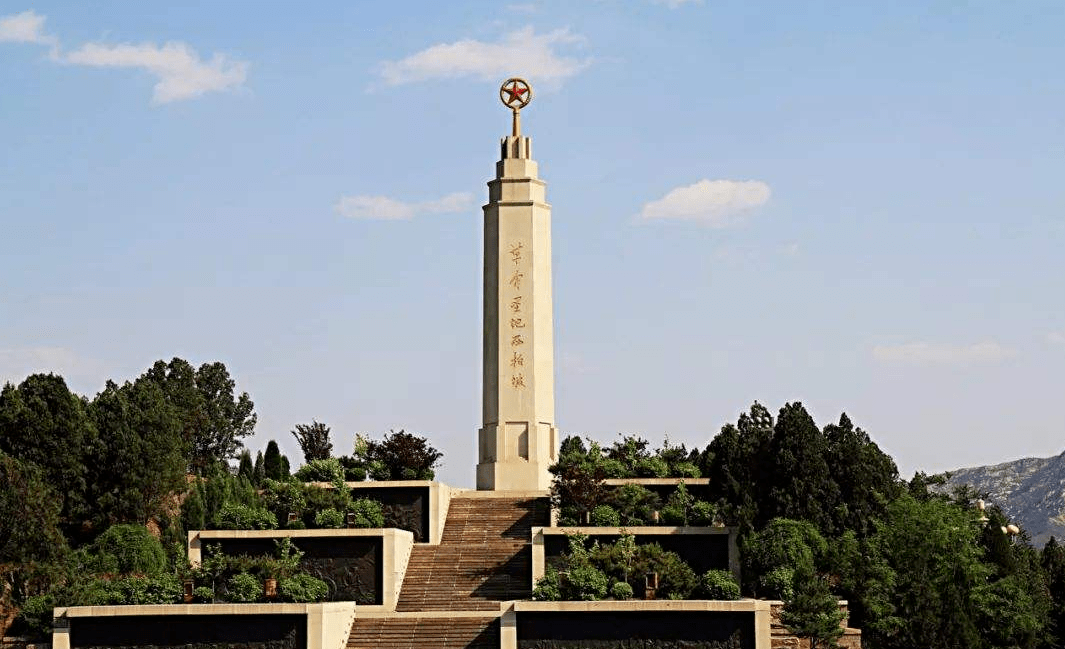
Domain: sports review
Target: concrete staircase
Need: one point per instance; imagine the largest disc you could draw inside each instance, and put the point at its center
(427, 632)
(484, 556)
(452, 592)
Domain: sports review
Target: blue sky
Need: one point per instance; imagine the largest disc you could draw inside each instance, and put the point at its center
(856, 205)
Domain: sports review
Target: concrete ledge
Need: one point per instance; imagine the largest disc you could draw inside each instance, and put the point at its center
(396, 549)
(328, 623)
(539, 558)
(475, 493)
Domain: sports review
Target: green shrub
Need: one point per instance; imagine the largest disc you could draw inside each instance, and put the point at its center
(243, 587)
(297, 524)
(586, 583)
(718, 584)
(605, 516)
(703, 513)
(634, 503)
(368, 513)
(674, 575)
(123, 549)
(651, 467)
(778, 583)
(615, 469)
(245, 517)
(329, 518)
(685, 470)
(35, 616)
(547, 588)
(621, 590)
(160, 589)
(321, 471)
(678, 508)
(284, 496)
(302, 588)
(203, 594)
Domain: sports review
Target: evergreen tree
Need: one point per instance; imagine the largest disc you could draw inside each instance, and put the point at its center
(246, 468)
(193, 512)
(813, 611)
(29, 515)
(1052, 561)
(259, 473)
(272, 467)
(800, 483)
(867, 477)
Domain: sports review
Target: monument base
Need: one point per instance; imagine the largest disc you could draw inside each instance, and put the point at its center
(509, 456)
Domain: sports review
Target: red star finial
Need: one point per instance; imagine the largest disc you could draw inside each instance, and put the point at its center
(515, 91)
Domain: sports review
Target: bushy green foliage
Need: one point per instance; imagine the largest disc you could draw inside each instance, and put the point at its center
(635, 504)
(368, 513)
(284, 496)
(718, 584)
(243, 587)
(29, 514)
(783, 543)
(314, 441)
(778, 583)
(400, 456)
(548, 588)
(811, 611)
(651, 467)
(124, 549)
(605, 516)
(321, 470)
(621, 590)
(302, 588)
(329, 518)
(244, 517)
(584, 582)
(193, 512)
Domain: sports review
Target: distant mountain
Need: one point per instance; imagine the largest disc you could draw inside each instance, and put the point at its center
(1031, 491)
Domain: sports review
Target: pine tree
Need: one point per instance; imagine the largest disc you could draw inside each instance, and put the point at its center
(272, 467)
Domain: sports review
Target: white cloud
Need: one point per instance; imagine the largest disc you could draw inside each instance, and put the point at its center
(522, 52)
(383, 208)
(942, 354)
(1056, 337)
(717, 203)
(25, 27)
(180, 72)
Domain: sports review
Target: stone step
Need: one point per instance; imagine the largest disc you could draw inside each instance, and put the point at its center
(425, 633)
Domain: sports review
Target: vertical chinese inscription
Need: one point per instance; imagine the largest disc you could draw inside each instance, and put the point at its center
(516, 317)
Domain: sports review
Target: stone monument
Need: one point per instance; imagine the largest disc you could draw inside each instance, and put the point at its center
(518, 440)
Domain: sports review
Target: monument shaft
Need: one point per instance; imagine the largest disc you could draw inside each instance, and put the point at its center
(518, 440)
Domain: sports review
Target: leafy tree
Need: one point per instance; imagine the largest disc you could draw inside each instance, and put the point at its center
(1052, 560)
(272, 466)
(932, 549)
(784, 543)
(405, 456)
(578, 480)
(314, 441)
(214, 419)
(43, 423)
(138, 462)
(29, 514)
(737, 461)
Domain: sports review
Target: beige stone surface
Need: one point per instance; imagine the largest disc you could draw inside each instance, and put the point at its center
(518, 439)
(328, 623)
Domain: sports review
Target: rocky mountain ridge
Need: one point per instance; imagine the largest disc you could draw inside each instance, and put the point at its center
(1031, 491)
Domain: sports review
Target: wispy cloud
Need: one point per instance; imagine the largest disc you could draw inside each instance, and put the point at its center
(25, 27)
(523, 51)
(920, 353)
(717, 203)
(383, 208)
(1056, 337)
(180, 72)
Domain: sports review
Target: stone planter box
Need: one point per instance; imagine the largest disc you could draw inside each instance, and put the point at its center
(365, 566)
(667, 624)
(703, 548)
(249, 626)
(418, 506)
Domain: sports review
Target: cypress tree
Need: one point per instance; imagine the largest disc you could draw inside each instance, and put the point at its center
(272, 467)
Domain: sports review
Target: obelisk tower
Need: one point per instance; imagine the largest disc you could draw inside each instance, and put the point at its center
(518, 440)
